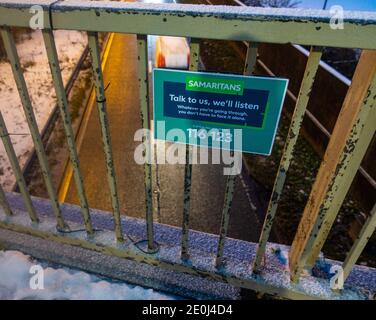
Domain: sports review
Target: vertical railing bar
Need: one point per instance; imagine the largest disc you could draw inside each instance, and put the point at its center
(12, 54)
(187, 199)
(364, 235)
(352, 134)
(194, 54)
(287, 155)
(4, 202)
(229, 195)
(249, 68)
(53, 60)
(17, 169)
(157, 185)
(144, 113)
(251, 58)
(194, 58)
(106, 138)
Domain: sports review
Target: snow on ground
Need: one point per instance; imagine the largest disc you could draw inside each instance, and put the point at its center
(63, 283)
(31, 50)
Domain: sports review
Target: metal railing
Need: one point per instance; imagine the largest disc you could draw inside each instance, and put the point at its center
(353, 133)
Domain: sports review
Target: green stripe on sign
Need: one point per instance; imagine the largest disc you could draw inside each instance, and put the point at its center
(214, 85)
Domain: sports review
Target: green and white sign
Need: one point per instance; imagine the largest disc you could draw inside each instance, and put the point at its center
(232, 112)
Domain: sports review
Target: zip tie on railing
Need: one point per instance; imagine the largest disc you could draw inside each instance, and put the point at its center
(77, 230)
(14, 134)
(134, 242)
(59, 229)
(137, 243)
(50, 13)
(104, 99)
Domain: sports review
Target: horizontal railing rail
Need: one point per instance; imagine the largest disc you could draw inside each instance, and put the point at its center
(305, 27)
(349, 141)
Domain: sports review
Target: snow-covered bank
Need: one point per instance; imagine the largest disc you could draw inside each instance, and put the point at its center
(70, 45)
(63, 283)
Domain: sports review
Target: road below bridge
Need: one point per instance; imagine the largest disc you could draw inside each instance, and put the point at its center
(208, 185)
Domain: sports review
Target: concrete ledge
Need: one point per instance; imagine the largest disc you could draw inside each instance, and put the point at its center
(205, 283)
(113, 267)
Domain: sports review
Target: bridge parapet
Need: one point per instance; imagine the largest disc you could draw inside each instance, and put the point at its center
(255, 268)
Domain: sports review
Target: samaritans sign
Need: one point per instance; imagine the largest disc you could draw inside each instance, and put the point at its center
(239, 113)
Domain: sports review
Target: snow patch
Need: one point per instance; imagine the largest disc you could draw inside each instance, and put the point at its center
(63, 283)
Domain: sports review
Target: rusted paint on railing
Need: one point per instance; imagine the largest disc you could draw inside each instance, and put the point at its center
(5, 204)
(287, 155)
(16, 171)
(194, 58)
(277, 25)
(249, 68)
(352, 134)
(360, 243)
(106, 138)
(146, 140)
(254, 25)
(10, 48)
(67, 124)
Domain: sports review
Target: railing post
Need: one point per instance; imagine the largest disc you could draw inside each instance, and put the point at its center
(229, 195)
(351, 136)
(364, 235)
(194, 57)
(144, 113)
(67, 123)
(10, 48)
(4, 202)
(105, 129)
(251, 58)
(249, 68)
(287, 155)
(17, 169)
